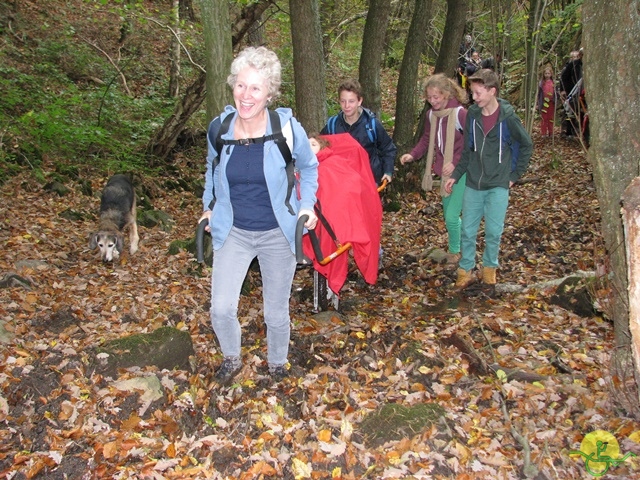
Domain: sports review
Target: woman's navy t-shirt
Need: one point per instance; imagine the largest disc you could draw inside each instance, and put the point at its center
(252, 209)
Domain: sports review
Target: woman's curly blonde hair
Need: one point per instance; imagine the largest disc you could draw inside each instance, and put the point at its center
(264, 61)
(445, 85)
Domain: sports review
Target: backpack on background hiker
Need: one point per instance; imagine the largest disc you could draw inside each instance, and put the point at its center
(370, 127)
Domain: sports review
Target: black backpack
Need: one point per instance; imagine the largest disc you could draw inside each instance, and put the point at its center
(277, 136)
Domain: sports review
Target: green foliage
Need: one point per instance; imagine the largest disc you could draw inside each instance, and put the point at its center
(46, 115)
(62, 99)
(387, 120)
(556, 160)
(395, 421)
(561, 31)
(66, 170)
(39, 175)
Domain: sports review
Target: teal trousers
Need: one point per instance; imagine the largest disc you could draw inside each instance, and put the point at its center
(452, 208)
(492, 206)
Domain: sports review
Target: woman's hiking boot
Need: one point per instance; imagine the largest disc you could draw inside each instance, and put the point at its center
(489, 275)
(278, 372)
(227, 370)
(465, 278)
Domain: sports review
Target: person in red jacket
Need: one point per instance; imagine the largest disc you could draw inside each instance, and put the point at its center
(547, 102)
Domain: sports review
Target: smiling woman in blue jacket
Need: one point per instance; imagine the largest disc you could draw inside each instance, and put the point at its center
(252, 208)
(496, 154)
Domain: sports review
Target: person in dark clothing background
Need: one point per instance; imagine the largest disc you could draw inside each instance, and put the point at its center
(570, 75)
(362, 124)
(474, 64)
(465, 51)
(493, 62)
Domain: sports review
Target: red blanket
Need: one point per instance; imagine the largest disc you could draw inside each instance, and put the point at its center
(349, 200)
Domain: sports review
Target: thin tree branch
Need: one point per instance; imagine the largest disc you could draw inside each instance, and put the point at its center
(177, 37)
(124, 79)
(528, 469)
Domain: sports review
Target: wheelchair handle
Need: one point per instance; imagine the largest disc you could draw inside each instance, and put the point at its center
(200, 239)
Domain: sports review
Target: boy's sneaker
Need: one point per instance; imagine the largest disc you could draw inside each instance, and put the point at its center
(465, 278)
(228, 369)
(489, 275)
(278, 372)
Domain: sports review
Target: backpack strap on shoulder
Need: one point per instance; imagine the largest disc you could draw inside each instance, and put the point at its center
(282, 141)
(371, 129)
(224, 128)
(370, 125)
(218, 143)
(331, 124)
(278, 137)
(459, 126)
(511, 143)
(282, 144)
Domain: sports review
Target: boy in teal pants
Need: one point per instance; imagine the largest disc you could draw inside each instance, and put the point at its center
(496, 154)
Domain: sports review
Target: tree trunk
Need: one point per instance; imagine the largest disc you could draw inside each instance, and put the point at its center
(218, 45)
(536, 12)
(408, 79)
(447, 60)
(255, 35)
(174, 77)
(373, 40)
(308, 64)
(613, 95)
(164, 140)
(631, 220)
(186, 10)
(248, 18)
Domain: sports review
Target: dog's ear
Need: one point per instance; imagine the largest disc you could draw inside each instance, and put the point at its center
(119, 242)
(93, 241)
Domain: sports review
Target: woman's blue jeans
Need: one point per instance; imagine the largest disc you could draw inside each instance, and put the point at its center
(492, 205)
(230, 266)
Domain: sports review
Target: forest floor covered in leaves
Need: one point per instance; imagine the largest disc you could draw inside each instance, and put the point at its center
(382, 388)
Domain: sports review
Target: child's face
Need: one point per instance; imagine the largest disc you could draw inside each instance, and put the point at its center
(315, 146)
(482, 95)
(547, 74)
(437, 98)
(349, 103)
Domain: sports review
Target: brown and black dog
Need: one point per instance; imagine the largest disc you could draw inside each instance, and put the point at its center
(117, 211)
